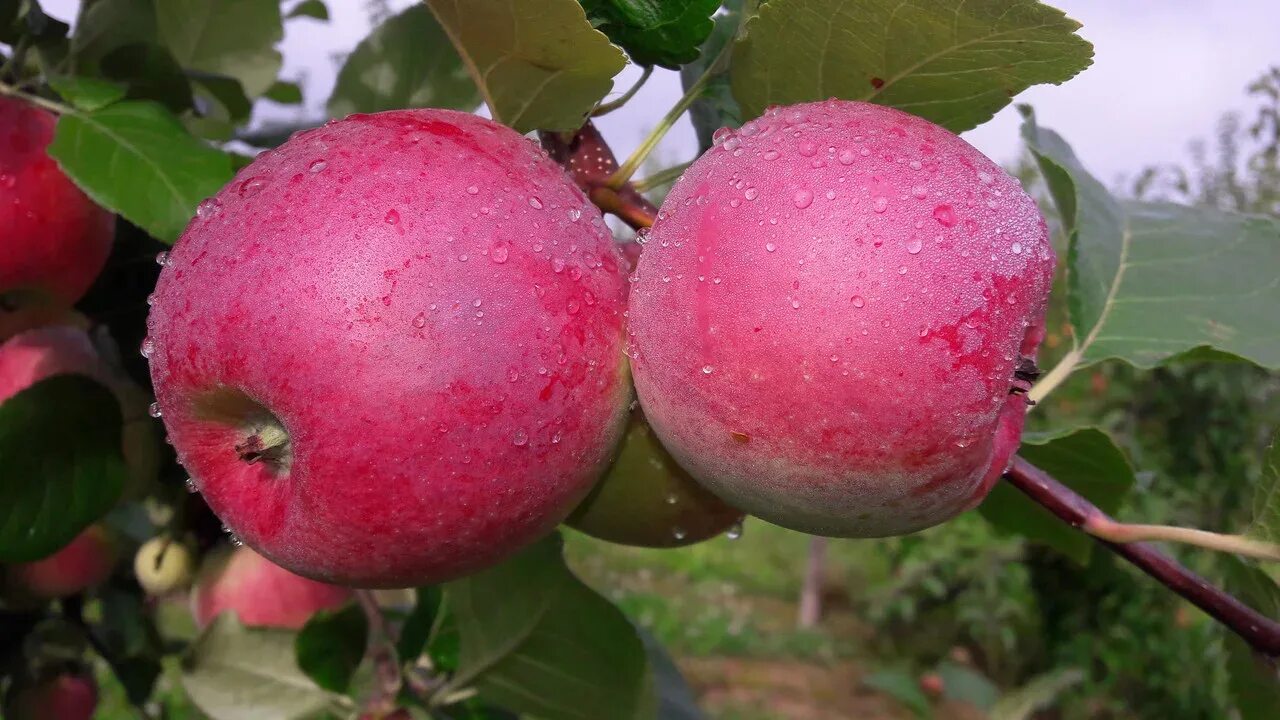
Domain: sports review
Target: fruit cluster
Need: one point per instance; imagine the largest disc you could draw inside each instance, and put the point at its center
(400, 347)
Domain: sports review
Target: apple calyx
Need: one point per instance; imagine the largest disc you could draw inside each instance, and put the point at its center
(269, 442)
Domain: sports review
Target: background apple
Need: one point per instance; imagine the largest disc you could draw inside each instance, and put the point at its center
(56, 239)
(163, 565)
(260, 592)
(834, 315)
(647, 499)
(389, 353)
(83, 563)
(66, 696)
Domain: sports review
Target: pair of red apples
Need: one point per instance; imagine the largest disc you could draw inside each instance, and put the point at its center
(402, 346)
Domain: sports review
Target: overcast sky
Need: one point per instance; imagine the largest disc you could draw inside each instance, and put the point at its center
(1163, 72)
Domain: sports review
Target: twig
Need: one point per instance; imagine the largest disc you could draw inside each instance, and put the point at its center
(1260, 632)
(386, 667)
(606, 108)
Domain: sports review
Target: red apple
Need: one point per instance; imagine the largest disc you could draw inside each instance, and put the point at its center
(81, 564)
(55, 239)
(389, 353)
(69, 696)
(835, 318)
(260, 592)
(33, 355)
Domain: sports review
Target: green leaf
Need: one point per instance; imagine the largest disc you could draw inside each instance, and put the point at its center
(232, 672)
(314, 9)
(405, 62)
(654, 32)
(151, 73)
(537, 641)
(1085, 460)
(236, 38)
(87, 93)
(1252, 680)
(901, 687)
(135, 159)
(676, 700)
(964, 684)
(417, 627)
(109, 24)
(715, 107)
(539, 65)
(331, 645)
(1150, 281)
(1036, 695)
(955, 62)
(285, 93)
(1266, 497)
(221, 97)
(62, 467)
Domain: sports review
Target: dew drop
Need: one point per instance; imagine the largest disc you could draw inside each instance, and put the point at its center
(250, 187)
(1016, 248)
(770, 155)
(154, 410)
(802, 199)
(858, 301)
(720, 135)
(919, 192)
(208, 208)
(846, 157)
(770, 247)
(914, 245)
(735, 531)
(880, 204)
(162, 259)
(750, 193)
(148, 347)
(420, 320)
(574, 214)
(317, 166)
(535, 203)
(499, 252)
(985, 178)
(191, 486)
(915, 165)
(945, 215)
(392, 217)
(678, 533)
(707, 369)
(672, 498)
(795, 304)
(807, 148)
(573, 306)
(520, 439)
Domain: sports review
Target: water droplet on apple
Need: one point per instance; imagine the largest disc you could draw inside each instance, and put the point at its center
(846, 157)
(707, 369)
(162, 259)
(858, 301)
(191, 486)
(317, 166)
(802, 199)
(770, 155)
(499, 253)
(880, 204)
(1017, 248)
(574, 214)
(154, 410)
(914, 246)
(770, 247)
(148, 347)
(735, 531)
(520, 439)
(535, 203)
(392, 217)
(672, 498)
(678, 533)
(420, 320)
(945, 215)
(251, 187)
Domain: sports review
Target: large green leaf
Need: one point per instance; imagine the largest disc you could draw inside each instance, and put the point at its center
(60, 464)
(538, 63)
(135, 159)
(1253, 679)
(109, 24)
(235, 38)
(1085, 460)
(537, 641)
(407, 61)
(654, 32)
(715, 107)
(87, 93)
(1266, 497)
(232, 673)
(955, 62)
(331, 645)
(1149, 281)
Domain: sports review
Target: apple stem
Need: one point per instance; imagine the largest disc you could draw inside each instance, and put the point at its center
(1259, 631)
(383, 654)
(1054, 377)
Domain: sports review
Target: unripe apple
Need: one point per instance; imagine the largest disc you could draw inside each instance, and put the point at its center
(68, 696)
(55, 239)
(648, 500)
(389, 353)
(260, 592)
(836, 316)
(81, 564)
(34, 355)
(163, 565)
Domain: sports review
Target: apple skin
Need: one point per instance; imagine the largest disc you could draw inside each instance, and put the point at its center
(646, 499)
(33, 355)
(828, 317)
(389, 353)
(56, 240)
(261, 593)
(84, 562)
(163, 565)
(68, 696)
